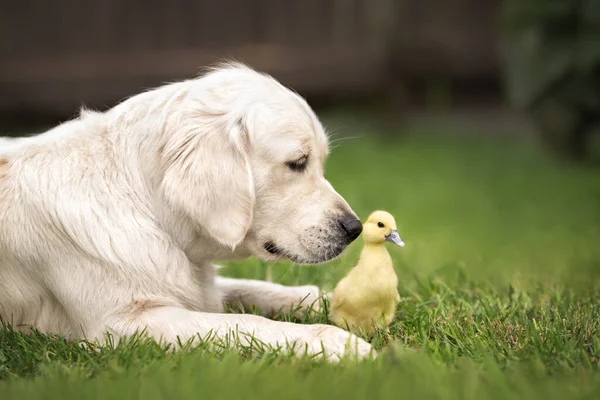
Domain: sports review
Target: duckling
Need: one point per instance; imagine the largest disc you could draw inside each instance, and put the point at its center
(367, 296)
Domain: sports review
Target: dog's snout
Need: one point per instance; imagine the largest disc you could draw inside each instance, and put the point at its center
(352, 226)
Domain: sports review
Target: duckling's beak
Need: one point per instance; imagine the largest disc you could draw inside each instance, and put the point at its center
(394, 238)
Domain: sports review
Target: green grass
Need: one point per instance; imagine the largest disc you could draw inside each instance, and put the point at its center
(500, 286)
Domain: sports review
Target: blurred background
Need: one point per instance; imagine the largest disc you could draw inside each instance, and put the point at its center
(499, 65)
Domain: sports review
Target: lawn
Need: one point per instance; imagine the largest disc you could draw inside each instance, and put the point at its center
(500, 286)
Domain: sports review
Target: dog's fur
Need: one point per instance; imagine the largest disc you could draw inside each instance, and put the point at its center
(109, 223)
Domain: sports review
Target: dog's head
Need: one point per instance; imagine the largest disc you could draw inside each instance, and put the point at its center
(244, 160)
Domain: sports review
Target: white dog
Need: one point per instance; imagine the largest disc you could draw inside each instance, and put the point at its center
(109, 223)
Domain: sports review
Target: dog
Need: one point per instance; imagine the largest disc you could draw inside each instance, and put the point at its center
(111, 222)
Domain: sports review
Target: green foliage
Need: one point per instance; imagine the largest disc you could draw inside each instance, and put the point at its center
(552, 45)
(552, 67)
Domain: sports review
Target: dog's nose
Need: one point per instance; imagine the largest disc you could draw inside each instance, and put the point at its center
(352, 226)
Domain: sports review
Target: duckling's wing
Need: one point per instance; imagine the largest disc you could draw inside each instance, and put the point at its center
(348, 291)
(341, 292)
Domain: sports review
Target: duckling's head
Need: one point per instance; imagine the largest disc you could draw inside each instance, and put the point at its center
(381, 227)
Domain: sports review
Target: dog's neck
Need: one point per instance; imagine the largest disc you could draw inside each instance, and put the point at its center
(138, 127)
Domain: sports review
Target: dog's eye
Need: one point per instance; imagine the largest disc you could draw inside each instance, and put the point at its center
(298, 165)
(380, 224)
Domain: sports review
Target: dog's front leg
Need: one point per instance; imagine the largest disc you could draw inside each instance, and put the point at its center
(174, 324)
(269, 298)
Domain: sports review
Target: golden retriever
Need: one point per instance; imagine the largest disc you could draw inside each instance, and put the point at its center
(111, 222)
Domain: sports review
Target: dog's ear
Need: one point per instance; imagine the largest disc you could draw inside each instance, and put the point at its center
(208, 176)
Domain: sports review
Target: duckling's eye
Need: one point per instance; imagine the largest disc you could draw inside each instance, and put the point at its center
(380, 224)
(298, 165)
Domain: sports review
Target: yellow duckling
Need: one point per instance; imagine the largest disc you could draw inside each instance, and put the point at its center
(367, 297)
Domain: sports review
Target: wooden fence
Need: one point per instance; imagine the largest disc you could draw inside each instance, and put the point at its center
(56, 55)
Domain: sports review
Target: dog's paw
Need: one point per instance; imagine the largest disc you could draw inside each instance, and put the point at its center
(333, 344)
(327, 296)
(307, 298)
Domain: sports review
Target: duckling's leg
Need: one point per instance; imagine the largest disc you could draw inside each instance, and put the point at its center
(369, 328)
(343, 320)
(363, 325)
(356, 325)
(390, 313)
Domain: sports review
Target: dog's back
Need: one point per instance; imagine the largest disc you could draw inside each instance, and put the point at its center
(7, 142)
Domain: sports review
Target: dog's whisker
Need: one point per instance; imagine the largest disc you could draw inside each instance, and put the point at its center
(335, 144)
(344, 138)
